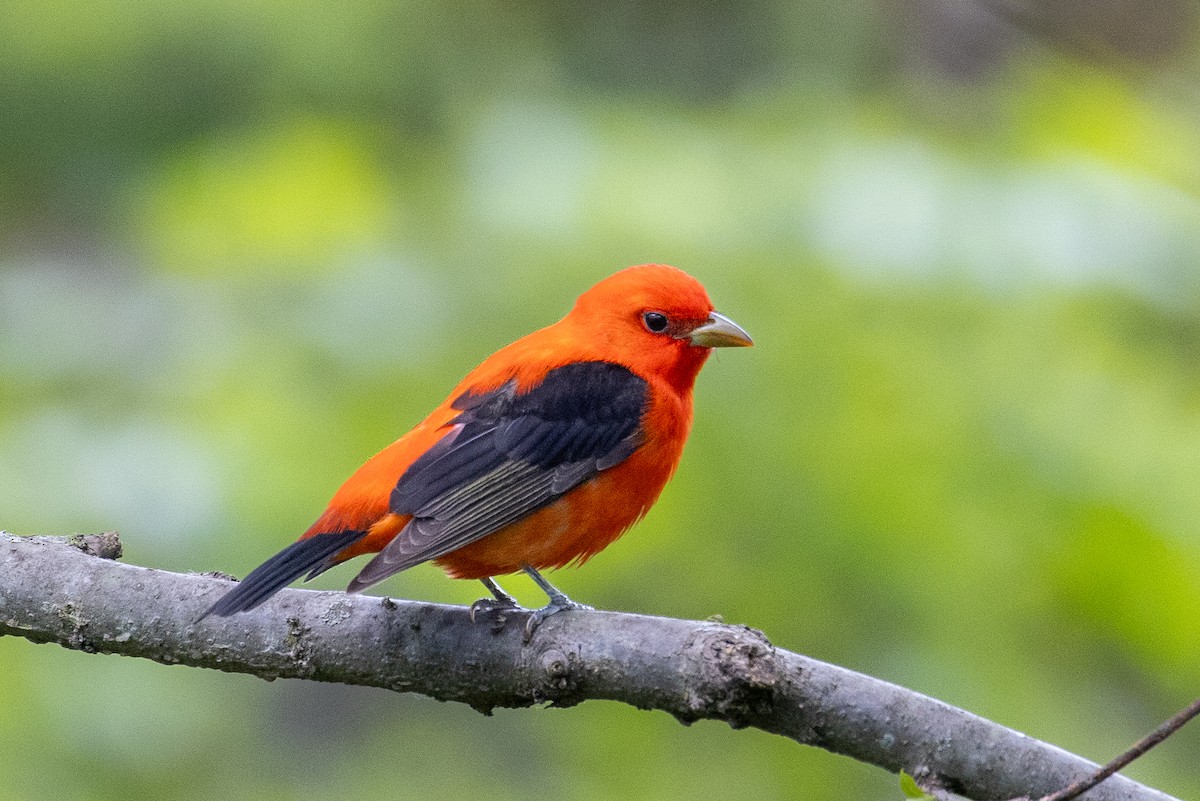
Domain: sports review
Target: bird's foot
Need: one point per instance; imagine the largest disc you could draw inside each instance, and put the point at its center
(558, 603)
(500, 601)
(489, 605)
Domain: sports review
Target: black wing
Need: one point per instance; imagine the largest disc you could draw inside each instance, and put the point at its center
(507, 456)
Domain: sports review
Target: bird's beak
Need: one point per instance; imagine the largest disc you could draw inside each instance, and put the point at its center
(719, 332)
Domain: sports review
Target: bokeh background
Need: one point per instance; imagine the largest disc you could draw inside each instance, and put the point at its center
(243, 245)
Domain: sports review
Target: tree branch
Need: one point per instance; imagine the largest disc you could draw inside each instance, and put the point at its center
(52, 590)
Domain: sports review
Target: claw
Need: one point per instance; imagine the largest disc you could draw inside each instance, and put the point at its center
(501, 600)
(487, 605)
(559, 604)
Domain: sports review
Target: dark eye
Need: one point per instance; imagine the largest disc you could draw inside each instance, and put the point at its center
(656, 322)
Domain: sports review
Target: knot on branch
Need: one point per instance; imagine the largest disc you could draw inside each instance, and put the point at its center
(739, 678)
(556, 678)
(104, 546)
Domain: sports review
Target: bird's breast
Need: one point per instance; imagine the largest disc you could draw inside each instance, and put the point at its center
(580, 524)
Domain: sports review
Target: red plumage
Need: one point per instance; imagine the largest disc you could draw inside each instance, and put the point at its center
(542, 456)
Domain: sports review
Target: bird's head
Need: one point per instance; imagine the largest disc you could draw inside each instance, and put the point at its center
(657, 320)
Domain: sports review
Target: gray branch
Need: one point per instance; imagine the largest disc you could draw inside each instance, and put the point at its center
(72, 592)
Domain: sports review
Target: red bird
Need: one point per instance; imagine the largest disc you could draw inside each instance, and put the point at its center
(541, 457)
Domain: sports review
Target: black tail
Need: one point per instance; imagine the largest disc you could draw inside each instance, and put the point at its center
(282, 569)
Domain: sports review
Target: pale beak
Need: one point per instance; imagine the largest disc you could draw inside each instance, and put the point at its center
(719, 332)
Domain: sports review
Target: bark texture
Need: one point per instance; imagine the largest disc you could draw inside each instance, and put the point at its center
(70, 591)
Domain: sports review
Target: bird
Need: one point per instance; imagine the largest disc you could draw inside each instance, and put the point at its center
(541, 457)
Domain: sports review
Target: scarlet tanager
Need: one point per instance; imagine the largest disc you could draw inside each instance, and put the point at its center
(543, 455)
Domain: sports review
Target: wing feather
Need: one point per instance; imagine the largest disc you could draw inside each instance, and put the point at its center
(509, 454)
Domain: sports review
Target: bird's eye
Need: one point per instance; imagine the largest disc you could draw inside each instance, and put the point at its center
(656, 322)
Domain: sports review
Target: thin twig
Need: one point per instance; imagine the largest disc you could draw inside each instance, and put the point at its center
(1143, 745)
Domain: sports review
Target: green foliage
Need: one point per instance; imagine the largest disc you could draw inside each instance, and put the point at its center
(245, 245)
(910, 788)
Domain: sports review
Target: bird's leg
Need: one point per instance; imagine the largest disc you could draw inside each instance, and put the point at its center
(558, 602)
(502, 600)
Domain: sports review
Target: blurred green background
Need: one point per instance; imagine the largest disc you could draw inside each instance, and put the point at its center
(244, 245)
